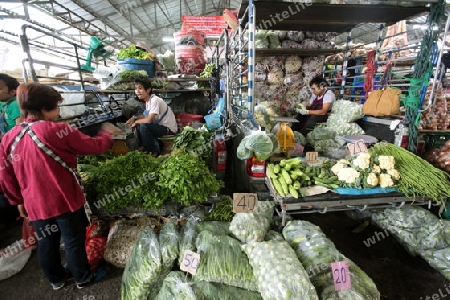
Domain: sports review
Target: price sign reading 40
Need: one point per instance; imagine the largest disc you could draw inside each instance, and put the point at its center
(245, 202)
(341, 276)
(190, 263)
(357, 147)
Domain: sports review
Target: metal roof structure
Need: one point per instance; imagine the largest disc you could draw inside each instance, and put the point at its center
(118, 22)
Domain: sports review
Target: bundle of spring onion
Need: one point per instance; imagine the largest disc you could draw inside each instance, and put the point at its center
(418, 177)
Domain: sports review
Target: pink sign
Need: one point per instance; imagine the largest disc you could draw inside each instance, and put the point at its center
(341, 276)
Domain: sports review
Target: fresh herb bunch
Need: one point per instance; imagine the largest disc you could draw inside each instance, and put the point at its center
(127, 180)
(185, 179)
(196, 142)
(95, 160)
(134, 52)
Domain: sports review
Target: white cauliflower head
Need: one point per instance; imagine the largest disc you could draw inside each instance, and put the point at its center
(386, 181)
(362, 161)
(394, 174)
(376, 169)
(348, 175)
(372, 179)
(386, 162)
(337, 167)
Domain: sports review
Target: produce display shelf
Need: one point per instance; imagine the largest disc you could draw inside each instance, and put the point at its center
(331, 201)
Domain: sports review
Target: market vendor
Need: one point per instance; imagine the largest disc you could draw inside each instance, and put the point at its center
(316, 111)
(157, 120)
(10, 112)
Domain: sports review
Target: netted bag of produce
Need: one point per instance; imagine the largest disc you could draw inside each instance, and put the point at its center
(261, 40)
(304, 94)
(278, 271)
(316, 253)
(310, 44)
(324, 146)
(274, 41)
(273, 235)
(296, 36)
(248, 227)
(347, 110)
(143, 269)
(288, 44)
(216, 227)
(282, 34)
(342, 127)
(187, 238)
(222, 261)
(321, 133)
(292, 64)
(121, 238)
(273, 63)
(312, 66)
(275, 77)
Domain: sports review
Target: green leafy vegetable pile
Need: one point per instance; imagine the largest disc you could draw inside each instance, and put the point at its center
(195, 141)
(186, 179)
(206, 73)
(127, 180)
(132, 74)
(134, 52)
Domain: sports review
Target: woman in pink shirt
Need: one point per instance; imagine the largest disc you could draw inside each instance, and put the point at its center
(38, 173)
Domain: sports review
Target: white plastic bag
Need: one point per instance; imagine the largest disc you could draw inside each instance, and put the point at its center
(13, 258)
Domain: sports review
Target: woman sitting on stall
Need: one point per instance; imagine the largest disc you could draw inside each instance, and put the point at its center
(157, 120)
(317, 109)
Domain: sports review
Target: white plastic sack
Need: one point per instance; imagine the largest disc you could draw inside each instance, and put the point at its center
(13, 258)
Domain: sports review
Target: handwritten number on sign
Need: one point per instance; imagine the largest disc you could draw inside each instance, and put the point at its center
(191, 260)
(245, 202)
(341, 276)
(357, 147)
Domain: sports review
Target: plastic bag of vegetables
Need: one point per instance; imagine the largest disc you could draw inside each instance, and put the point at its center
(348, 111)
(169, 242)
(416, 228)
(242, 151)
(187, 238)
(248, 227)
(216, 227)
(176, 285)
(144, 267)
(341, 127)
(275, 259)
(316, 253)
(222, 261)
(217, 291)
(438, 259)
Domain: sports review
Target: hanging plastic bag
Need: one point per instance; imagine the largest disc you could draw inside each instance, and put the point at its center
(95, 246)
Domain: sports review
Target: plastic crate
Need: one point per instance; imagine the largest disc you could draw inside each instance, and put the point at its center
(435, 139)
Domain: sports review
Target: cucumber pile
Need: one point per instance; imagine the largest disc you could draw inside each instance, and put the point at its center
(290, 175)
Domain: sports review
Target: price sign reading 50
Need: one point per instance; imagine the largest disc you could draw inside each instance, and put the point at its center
(245, 202)
(191, 261)
(341, 276)
(357, 147)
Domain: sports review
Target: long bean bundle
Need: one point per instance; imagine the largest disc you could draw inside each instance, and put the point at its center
(418, 177)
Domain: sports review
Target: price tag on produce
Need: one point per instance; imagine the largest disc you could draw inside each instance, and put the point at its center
(341, 276)
(312, 156)
(357, 147)
(245, 202)
(190, 263)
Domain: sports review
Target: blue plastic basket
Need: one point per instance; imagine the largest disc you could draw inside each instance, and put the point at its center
(139, 64)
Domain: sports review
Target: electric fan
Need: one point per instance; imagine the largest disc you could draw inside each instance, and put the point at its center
(96, 49)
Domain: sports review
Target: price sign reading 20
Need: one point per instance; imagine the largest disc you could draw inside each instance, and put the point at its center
(357, 147)
(341, 276)
(245, 202)
(190, 263)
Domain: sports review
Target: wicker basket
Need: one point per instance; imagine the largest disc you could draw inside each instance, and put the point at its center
(168, 141)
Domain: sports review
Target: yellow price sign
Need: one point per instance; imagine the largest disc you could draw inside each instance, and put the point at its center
(356, 147)
(245, 202)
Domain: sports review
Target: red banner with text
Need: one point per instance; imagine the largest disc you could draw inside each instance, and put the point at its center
(212, 26)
